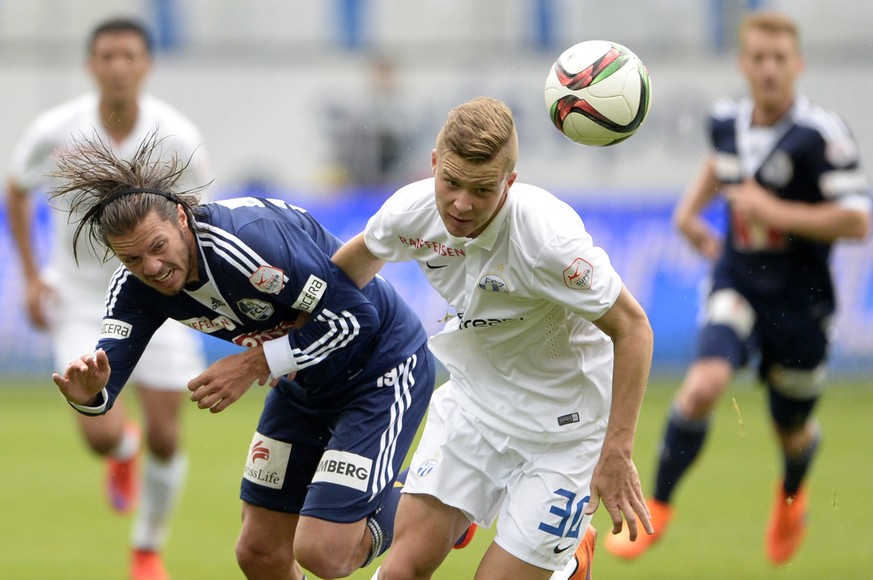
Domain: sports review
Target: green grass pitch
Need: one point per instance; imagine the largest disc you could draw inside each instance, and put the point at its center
(55, 522)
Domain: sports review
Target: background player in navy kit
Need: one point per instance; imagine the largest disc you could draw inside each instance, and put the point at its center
(351, 384)
(789, 170)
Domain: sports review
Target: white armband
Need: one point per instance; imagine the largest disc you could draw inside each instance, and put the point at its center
(279, 357)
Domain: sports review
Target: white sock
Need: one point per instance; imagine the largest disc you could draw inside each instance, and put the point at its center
(162, 483)
(128, 446)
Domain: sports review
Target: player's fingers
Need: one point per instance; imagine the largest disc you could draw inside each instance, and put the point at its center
(198, 381)
(631, 522)
(593, 503)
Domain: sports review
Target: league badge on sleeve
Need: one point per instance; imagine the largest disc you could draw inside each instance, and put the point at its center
(578, 275)
(268, 279)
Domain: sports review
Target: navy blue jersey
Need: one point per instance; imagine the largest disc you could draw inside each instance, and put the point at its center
(262, 263)
(809, 156)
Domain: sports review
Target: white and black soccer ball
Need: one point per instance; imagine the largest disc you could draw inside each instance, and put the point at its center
(598, 93)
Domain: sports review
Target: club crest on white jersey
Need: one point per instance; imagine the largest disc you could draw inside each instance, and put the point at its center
(493, 283)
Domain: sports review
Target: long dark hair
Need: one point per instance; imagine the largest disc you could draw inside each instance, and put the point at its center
(108, 196)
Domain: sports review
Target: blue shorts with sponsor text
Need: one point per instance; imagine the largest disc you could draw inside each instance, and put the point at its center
(337, 460)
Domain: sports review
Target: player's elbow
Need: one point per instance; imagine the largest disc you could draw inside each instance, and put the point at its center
(858, 227)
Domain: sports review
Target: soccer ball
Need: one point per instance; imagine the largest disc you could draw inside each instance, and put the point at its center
(598, 93)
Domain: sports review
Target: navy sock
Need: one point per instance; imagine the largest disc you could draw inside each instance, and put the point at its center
(683, 440)
(797, 466)
(381, 522)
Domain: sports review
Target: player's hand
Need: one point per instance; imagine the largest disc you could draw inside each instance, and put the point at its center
(228, 379)
(38, 295)
(753, 202)
(616, 483)
(84, 378)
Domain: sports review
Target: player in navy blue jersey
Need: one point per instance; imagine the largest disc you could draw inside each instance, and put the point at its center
(351, 372)
(789, 170)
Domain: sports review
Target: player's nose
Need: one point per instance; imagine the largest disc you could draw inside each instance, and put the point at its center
(151, 266)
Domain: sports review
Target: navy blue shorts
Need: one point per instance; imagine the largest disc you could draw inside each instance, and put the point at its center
(781, 336)
(338, 459)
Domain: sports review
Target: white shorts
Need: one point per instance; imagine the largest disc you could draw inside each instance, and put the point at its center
(537, 491)
(174, 355)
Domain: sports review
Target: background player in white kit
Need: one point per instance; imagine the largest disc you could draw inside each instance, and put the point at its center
(120, 115)
(549, 357)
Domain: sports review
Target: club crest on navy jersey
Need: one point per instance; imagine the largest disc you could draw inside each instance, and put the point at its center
(255, 309)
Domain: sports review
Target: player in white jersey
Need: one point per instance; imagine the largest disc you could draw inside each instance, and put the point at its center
(67, 300)
(549, 357)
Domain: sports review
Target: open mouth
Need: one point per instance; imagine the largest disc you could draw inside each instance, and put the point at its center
(164, 278)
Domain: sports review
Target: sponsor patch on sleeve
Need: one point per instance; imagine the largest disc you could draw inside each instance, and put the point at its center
(267, 461)
(115, 329)
(578, 275)
(312, 292)
(344, 468)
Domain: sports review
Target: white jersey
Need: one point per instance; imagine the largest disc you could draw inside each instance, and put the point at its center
(34, 158)
(174, 354)
(523, 353)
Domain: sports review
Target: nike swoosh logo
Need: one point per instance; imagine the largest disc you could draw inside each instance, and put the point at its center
(435, 267)
(558, 549)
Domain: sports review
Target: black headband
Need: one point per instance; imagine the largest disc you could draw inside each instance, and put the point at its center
(122, 192)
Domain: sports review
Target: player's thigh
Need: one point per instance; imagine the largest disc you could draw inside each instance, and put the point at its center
(460, 461)
(369, 441)
(543, 518)
(704, 383)
(74, 331)
(162, 412)
(284, 452)
(794, 366)
(498, 564)
(425, 532)
(266, 531)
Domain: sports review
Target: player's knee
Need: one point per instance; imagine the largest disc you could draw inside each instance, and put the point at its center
(262, 560)
(799, 384)
(162, 445)
(326, 560)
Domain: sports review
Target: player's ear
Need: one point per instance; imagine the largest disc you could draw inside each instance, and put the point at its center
(183, 217)
(434, 160)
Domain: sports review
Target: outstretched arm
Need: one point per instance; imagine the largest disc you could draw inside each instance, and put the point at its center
(85, 378)
(357, 261)
(615, 481)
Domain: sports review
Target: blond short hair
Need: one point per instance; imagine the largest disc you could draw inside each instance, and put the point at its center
(771, 22)
(479, 131)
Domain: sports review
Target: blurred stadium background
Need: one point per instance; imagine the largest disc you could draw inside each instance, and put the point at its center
(331, 103)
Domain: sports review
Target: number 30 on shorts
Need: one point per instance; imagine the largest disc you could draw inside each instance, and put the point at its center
(571, 513)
